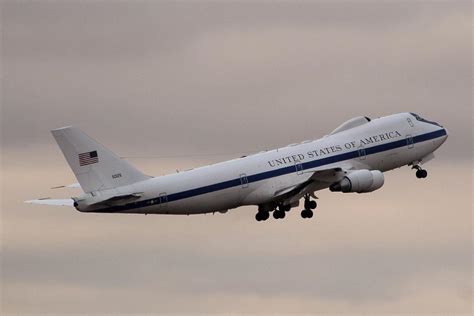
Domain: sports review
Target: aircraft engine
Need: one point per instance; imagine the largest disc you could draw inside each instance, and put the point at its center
(360, 181)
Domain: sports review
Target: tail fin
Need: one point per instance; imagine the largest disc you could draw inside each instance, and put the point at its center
(96, 168)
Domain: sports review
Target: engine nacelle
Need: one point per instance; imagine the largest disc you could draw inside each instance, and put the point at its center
(360, 181)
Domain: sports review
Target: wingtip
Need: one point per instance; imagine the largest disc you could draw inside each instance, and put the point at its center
(61, 128)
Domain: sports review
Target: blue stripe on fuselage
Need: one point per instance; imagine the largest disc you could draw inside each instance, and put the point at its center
(275, 173)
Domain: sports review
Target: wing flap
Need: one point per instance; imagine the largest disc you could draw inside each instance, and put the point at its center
(318, 180)
(120, 198)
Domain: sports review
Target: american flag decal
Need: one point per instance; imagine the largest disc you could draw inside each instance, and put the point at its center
(88, 158)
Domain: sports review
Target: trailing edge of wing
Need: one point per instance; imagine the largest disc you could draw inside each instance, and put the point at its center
(320, 175)
(293, 193)
(48, 201)
(120, 198)
(326, 175)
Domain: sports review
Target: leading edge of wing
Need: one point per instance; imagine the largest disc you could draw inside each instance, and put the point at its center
(48, 201)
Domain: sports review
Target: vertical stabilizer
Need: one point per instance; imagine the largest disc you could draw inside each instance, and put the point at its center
(96, 168)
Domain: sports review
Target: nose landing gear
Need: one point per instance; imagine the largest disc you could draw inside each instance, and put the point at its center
(420, 172)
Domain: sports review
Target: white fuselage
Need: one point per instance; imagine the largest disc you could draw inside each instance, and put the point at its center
(382, 144)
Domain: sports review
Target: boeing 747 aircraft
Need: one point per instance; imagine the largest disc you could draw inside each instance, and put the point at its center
(350, 159)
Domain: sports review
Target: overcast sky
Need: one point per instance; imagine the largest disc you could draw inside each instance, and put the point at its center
(195, 79)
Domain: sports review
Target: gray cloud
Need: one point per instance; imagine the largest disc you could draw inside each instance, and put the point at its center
(285, 72)
(131, 30)
(364, 273)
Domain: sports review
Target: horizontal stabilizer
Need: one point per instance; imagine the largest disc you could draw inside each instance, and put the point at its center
(48, 201)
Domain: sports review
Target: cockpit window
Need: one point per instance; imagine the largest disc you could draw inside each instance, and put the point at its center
(419, 118)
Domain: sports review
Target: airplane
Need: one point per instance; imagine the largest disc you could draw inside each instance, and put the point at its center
(351, 159)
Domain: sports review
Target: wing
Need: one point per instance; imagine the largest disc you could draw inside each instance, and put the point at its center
(48, 201)
(319, 179)
(117, 199)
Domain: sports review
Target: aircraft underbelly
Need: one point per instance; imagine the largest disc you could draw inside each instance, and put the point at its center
(206, 203)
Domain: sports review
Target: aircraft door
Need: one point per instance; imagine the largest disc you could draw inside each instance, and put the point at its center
(244, 181)
(163, 199)
(410, 142)
(299, 167)
(361, 151)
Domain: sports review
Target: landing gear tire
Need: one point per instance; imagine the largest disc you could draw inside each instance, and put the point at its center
(278, 214)
(421, 173)
(306, 213)
(262, 216)
(309, 204)
(257, 217)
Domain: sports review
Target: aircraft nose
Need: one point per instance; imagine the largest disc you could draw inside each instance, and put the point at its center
(445, 136)
(446, 131)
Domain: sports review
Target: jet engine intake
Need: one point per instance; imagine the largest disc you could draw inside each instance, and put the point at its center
(360, 181)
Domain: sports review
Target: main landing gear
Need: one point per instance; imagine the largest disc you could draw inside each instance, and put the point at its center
(309, 205)
(420, 172)
(262, 216)
(264, 212)
(279, 211)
